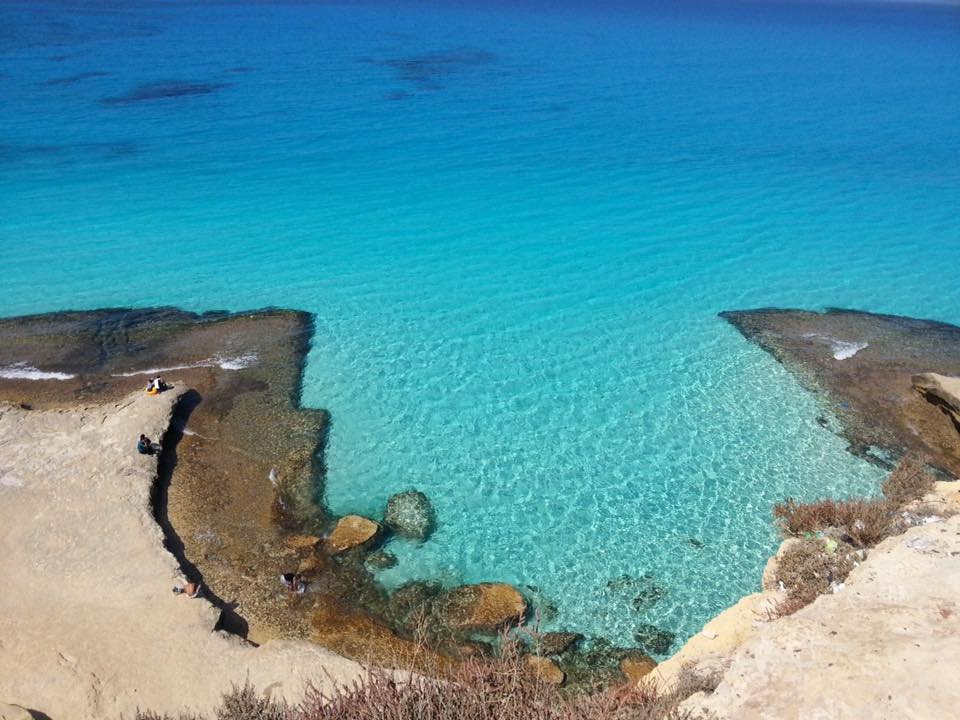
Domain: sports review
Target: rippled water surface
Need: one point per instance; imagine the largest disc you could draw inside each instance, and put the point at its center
(515, 224)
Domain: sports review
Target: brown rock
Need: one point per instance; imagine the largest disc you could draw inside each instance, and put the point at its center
(557, 643)
(636, 667)
(546, 669)
(301, 542)
(486, 606)
(942, 391)
(352, 531)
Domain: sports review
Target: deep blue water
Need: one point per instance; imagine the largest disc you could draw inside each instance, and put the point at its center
(515, 223)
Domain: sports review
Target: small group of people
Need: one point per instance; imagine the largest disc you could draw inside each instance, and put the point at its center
(294, 583)
(145, 446)
(156, 386)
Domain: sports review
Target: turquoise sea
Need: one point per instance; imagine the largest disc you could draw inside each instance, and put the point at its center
(515, 223)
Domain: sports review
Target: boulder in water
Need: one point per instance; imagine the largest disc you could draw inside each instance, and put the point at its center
(546, 670)
(351, 531)
(410, 514)
(557, 643)
(483, 607)
(653, 639)
(636, 667)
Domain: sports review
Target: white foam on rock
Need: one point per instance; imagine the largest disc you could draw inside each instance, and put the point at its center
(845, 350)
(841, 349)
(22, 371)
(226, 363)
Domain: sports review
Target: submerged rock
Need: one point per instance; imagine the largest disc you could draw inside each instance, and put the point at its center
(411, 603)
(351, 532)
(654, 640)
(636, 667)
(557, 643)
(381, 560)
(649, 592)
(410, 514)
(483, 607)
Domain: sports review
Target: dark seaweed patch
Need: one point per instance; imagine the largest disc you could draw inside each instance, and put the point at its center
(427, 71)
(72, 79)
(163, 90)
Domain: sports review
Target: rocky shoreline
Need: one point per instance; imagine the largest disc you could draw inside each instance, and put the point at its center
(239, 494)
(241, 487)
(860, 650)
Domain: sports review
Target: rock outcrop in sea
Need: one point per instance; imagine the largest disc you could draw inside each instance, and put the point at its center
(410, 514)
(870, 391)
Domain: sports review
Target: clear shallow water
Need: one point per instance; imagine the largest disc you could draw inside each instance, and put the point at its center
(515, 226)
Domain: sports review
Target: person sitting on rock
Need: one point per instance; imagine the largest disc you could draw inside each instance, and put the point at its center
(156, 386)
(190, 589)
(294, 583)
(144, 446)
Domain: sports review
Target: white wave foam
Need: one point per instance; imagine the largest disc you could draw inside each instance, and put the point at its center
(845, 350)
(236, 363)
(226, 363)
(841, 349)
(22, 371)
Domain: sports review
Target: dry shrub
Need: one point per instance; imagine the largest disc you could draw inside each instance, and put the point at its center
(240, 703)
(807, 569)
(864, 522)
(910, 480)
(502, 688)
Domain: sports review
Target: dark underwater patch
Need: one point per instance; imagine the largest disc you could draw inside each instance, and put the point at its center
(427, 71)
(73, 79)
(163, 90)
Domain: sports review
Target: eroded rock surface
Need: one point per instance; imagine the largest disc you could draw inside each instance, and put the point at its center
(886, 646)
(942, 391)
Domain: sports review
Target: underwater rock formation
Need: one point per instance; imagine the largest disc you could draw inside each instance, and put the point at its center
(483, 607)
(410, 514)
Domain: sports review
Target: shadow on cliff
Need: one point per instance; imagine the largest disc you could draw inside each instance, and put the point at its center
(230, 620)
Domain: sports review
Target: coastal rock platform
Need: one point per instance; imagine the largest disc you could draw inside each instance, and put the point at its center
(863, 364)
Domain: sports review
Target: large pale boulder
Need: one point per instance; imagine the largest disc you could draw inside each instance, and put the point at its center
(14, 712)
(486, 606)
(351, 532)
(410, 514)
